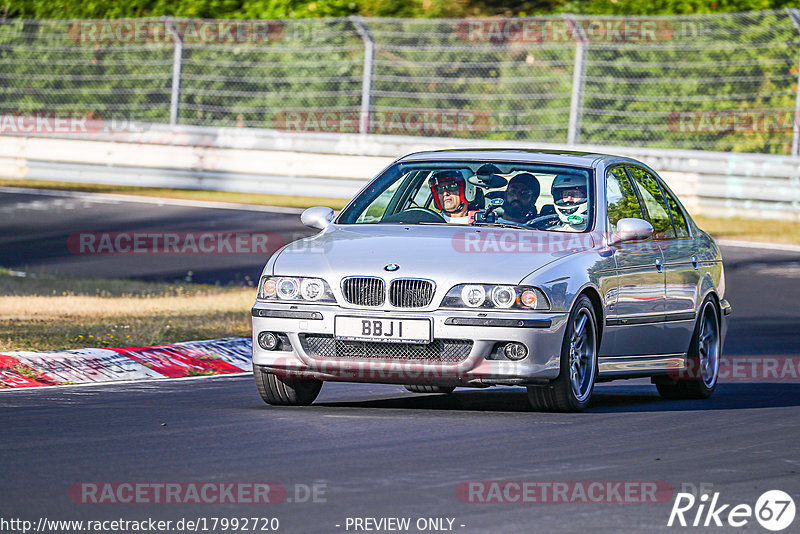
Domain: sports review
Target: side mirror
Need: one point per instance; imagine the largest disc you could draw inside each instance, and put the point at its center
(318, 217)
(631, 230)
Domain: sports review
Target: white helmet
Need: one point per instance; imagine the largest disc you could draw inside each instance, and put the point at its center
(574, 210)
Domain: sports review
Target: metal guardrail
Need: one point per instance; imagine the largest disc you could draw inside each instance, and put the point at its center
(337, 165)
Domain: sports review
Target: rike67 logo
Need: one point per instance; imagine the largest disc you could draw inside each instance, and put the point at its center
(774, 510)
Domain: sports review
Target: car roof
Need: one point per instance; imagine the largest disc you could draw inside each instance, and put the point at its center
(564, 157)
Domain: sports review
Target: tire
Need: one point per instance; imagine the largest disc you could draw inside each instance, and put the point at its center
(699, 380)
(572, 390)
(285, 391)
(430, 389)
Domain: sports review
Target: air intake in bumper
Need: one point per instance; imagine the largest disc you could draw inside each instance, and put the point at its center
(439, 350)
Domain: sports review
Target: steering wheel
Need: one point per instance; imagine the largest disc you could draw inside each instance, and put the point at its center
(545, 222)
(414, 215)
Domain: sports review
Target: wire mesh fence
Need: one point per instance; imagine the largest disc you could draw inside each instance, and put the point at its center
(715, 82)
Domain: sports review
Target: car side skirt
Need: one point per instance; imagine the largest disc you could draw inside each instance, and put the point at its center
(620, 366)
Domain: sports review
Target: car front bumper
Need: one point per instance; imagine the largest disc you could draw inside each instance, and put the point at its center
(481, 364)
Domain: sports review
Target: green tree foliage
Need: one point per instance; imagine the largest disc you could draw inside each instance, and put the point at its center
(283, 9)
(634, 93)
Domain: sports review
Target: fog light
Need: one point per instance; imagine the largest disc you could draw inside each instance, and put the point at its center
(515, 351)
(267, 340)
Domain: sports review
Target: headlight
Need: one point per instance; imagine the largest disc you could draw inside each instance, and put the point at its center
(499, 297)
(295, 289)
(287, 288)
(312, 289)
(503, 296)
(473, 295)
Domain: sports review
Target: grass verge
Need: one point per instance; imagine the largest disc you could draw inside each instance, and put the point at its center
(766, 230)
(40, 311)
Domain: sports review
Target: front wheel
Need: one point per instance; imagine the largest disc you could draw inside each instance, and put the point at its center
(572, 390)
(699, 379)
(285, 391)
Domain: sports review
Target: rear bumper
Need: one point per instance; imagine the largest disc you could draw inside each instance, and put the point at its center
(541, 332)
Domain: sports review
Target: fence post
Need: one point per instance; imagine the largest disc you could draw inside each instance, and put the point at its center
(794, 14)
(177, 66)
(366, 84)
(578, 77)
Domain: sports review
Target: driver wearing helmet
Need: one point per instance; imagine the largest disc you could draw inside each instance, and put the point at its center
(571, 201)
(453, 195)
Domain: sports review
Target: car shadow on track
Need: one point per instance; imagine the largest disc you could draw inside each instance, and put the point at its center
(728, 396)
(607, 399)
(763, 336)
(506, 400)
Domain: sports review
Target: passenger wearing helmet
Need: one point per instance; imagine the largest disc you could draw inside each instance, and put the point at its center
(519, 205)
(453, 195)
(571, 200)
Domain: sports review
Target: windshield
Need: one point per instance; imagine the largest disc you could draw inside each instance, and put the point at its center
(486, 193)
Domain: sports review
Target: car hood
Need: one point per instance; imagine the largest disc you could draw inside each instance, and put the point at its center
(455, 253)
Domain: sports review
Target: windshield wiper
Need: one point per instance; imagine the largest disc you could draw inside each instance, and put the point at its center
(501, 225)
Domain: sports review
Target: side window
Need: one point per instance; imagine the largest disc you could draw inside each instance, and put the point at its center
(620, 197)
(375, 211)
(423, 196)
(654, 203)
(678, 219)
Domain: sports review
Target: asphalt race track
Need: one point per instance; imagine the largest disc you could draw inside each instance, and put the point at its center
(377, 451)
(37, 231)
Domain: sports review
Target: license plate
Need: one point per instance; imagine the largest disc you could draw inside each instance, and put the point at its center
(382, 330)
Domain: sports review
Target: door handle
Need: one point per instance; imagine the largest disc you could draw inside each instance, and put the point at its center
(694, 262)
(659, 267)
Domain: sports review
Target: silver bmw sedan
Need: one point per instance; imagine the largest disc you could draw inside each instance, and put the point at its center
(474, 268)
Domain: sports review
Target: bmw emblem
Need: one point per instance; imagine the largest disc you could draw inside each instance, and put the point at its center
(391, 267)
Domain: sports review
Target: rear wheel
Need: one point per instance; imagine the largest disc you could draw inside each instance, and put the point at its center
(571, 391)
(430, 389)
(699, 379)
(285, 391)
